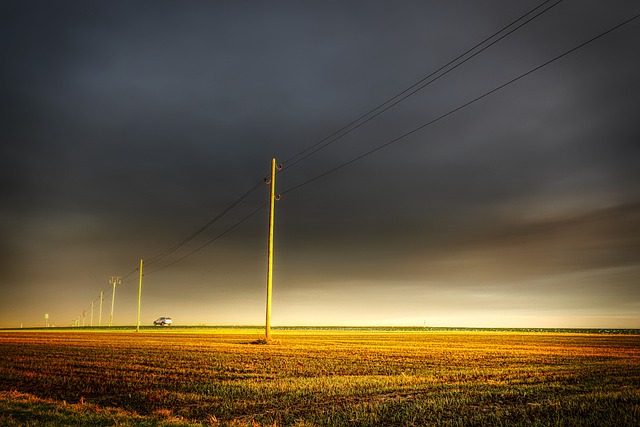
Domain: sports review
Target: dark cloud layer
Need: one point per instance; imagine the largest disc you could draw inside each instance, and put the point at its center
(128, 125)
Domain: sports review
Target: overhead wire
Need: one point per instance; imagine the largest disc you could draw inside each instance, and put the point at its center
(473, 101)
(210, 241)
(191, 237)
(130, 273)
(388, 103)
(417, 86)
(215, 219)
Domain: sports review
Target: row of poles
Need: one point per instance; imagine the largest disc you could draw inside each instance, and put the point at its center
(79, 321)
(114, 281)
(117, 280)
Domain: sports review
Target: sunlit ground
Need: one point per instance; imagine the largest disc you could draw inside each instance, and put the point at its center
(318, 378)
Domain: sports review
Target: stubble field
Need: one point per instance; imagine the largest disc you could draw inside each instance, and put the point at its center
(318, 378)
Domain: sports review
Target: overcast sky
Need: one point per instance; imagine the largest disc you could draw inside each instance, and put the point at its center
(128, 125)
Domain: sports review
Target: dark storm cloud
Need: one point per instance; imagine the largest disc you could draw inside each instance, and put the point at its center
(127, 125)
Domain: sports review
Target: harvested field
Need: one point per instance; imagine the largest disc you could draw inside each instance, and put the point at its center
(318, 378)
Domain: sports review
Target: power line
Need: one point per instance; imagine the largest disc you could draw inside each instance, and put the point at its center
(186, 240)
(210, 241)
(416, 87)
(460, 107)
(419, 85)
(388, 103)
(180, 244)
(122, 280)
(235, 203)
(192, 236)
(130, 273)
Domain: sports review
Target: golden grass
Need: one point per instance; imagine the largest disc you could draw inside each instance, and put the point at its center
(332, 378)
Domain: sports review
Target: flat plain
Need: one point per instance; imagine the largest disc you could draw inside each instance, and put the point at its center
(223, 377)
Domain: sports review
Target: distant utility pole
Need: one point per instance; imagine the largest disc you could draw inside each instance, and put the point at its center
(114, 280)
(46, 320)
(139, 296)
(272, 205)
(100, 313)
(91, 323)
(83, 316)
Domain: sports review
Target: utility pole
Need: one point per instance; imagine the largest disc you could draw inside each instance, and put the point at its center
(100, 312)
(139, 296)
(114, 280)
(91, 323)
(272, 205)
(46, 320)
(83, 316)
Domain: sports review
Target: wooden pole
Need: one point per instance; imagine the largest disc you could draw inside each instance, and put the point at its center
(272, 205)
(139, 296)
(100, 312)
(114, 280)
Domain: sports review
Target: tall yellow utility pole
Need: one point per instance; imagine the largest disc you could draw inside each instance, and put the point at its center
(272, 205)
(114, 280)
(100, 315)
(139, 296)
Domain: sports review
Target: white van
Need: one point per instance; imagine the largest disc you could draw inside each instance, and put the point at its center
(163, 321)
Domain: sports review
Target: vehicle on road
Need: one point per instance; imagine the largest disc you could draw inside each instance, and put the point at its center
(163, 321)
